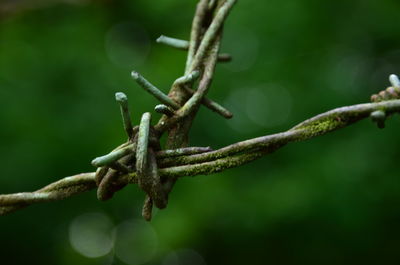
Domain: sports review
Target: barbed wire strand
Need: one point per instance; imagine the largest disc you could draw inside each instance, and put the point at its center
(209, 162)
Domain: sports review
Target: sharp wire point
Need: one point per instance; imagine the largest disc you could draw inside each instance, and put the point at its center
(135, 74)
(379, 117)
(112, 156)
(394, 80)
(159, 39)
(192, 76)
(163, 109)
(157, 93)
(122, 99)
(173, 42)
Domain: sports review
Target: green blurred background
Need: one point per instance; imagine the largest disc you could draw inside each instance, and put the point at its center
(330, 200)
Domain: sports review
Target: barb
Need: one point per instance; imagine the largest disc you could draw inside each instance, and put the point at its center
(147, 208)
(191, 77)
(102, 171)
(163, 109)
(212, 105)
(122, 99)
(153, 90)
(394, 80)
(173, 42)
(224, 58)
(184, 45)
(210, 162)
(379, 118)
(113, 156)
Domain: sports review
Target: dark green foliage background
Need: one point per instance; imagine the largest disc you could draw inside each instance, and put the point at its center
(331, 200)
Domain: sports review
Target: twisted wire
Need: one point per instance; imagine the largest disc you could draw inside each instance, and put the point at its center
(209, 162)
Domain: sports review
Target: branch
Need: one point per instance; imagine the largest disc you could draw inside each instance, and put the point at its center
(210, 162)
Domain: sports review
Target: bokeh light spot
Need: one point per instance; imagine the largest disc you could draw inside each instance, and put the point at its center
(261, 106)
(268, 105)
(136, 242)
(91, 235)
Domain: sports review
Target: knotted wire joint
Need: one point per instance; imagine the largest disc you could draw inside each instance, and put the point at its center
(122, 99)
(139, 154)
(109, 184)
(390, 93)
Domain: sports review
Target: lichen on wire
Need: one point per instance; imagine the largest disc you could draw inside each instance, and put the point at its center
(142, 161)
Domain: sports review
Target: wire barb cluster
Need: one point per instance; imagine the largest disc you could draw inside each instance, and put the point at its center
(390, 93)
(140, 153)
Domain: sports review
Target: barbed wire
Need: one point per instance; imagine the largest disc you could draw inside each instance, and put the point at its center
(139, 155)
(141, 161)
(208, 162)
